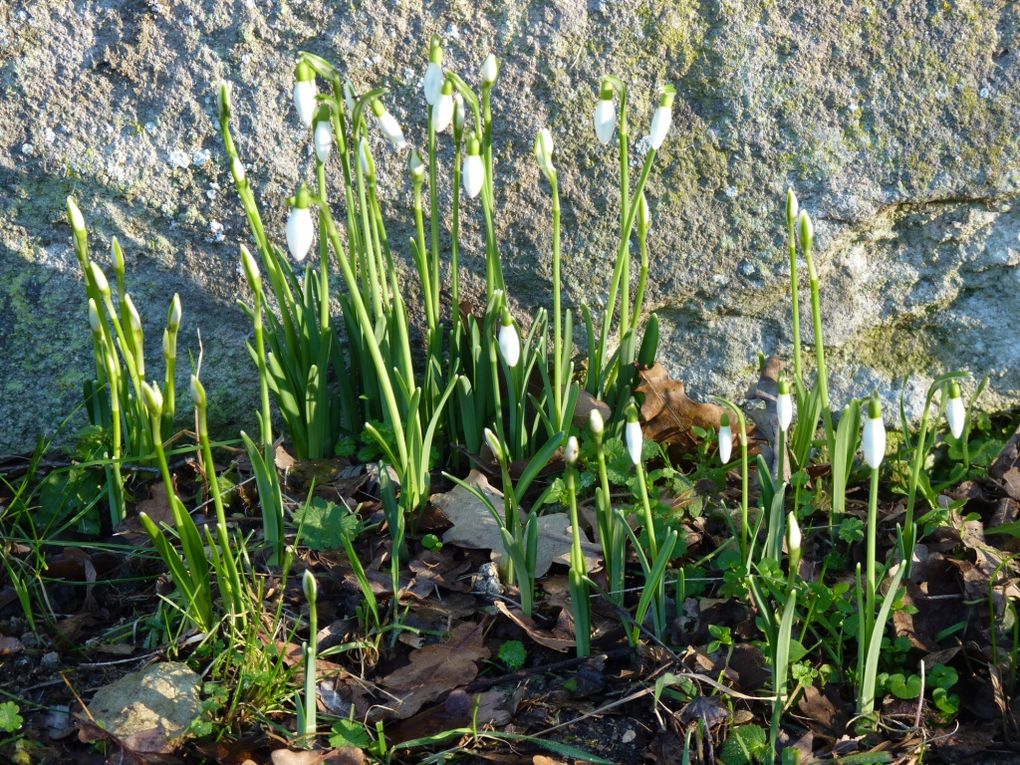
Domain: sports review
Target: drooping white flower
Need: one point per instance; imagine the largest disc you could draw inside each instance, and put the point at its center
(662, 118)
(490, 70)
(605, 115)
(388, 125)
(473, 173)
(509, 341)
(322, 135)
(784, 406)
(873, 439)
(725, 439)
(632, 435)
(956, 415)
(442, 110)
(300, 227)
(595, 422)
(434, 77)
(304, 93)
(571, 450)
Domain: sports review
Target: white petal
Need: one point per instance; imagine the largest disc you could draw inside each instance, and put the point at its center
(442, 113)
(490, 69)
(473, 175)
(595, 421)
(955, 416)
(634, 438)
(509, 345)
(322, 140)
(571, 450)
(433, 84)
(873, 442)
(391, 129)
(725, 444)
(300, 232)
(605, 120)
(660, 126)
(304, 101)
(784, 411)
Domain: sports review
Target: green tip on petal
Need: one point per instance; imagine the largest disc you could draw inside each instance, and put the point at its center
(724, 421)
(303, 199)
(954, 389)
(447, 87)
(668, 96)
(631, 412)
(323, 114)
(606, 91)
(784, 387)
(224, 100)
(303, 72)
(436, 50)
(874, 407)
(377, 107)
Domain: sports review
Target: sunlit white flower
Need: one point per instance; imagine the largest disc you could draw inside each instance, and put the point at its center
(75, 216)
(595, 422)
(198, 392)
(300, 227)
(388, 125)
(251, 269)
(955, 413)
(784, 406)
(434, 77)
(237, 170)
(416, 166)
(459, 113)
(873, 439)
(725, 439)
(792, 207)
(494, 444)
(605, 115)
(544, 151)
(473, 173)
(152, 397)
(94, 321)
(134, 318)
(442, 110)
(662, 118)
(644, 215)
(99, 278)
(304, 93)
(309, 586)
(571, 450)
(349, 97)
(632, 435)
(793, 537)
(490, 70)
(365, 159)
(322, 135)
(807, 230)
(509, 341)
(169, 345)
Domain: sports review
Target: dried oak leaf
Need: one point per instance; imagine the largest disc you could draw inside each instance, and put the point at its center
(669, 414)
(474, 528)
(435, 670)
(559, 639)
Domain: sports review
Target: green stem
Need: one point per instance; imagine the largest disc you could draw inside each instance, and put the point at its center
(870, 575)
(795, 303)
(557, 310)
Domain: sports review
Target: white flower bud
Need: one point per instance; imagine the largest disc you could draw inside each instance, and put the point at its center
(322, 139)
(237, 170)
(389, 126)
(304, 101)
(509, 343)
(152, 397)
(634, 438)
(75, 216)
(544, 148)
(571, 450)
(365, 159)
(459, 113)
(99, 278)
(173, 319)
(442, 110)
(300, 232)
(873, 441)
(349, 98)
(605, 115)
(793, 536)
(169, 345)
(662, 118)
(473, 173)
(433, 85)
(955, 412)
(94, 321)
(792, 208)
(725, 440)
(309, 587)
(134, 318)
(490, 70)
(784, 406)
(595, 422)
(493, 442)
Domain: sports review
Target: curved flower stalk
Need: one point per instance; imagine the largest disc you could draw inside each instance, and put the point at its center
(300, 227)
(873, 447)
(725, 435)
(304, 93)
(792, 213)
(578, 570)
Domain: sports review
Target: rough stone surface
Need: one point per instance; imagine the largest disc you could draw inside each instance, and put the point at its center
(896, 123)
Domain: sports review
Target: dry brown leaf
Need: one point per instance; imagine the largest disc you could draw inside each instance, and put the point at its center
(558, 640)
(344, 756)
(474, 528)
(435, 670)
(669, 414)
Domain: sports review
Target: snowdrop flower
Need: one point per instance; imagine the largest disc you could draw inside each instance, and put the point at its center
(571, 451)
(94, 321)
(442, 110)
(605, 114)
(416, 166)
(459, 115)
(662, 118)
(388, 125)
(304, 93)
(100, 279)
(725, 439)
(492, 441)
(784, 406)
(198, 393)
(225, 100)
(309, 586)
(434, 77)
(544, 152)
(632, 434)
(595, 422)
(153, 398)
(807, 230)
(793, 541)
(251, 270)
(76, 218)
(173, 318)
(792, 208)
(473, 173)
(873, 440)
(365, 158)
(490, 70)
(644, 216)
(509, 341)
(300, 228)
(322, 135)
(955, 413)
